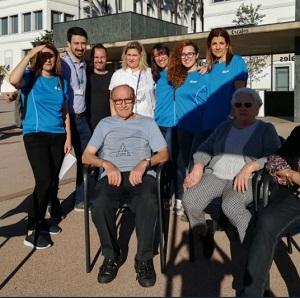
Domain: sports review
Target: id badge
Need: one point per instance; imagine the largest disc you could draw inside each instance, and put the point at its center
(78, 92)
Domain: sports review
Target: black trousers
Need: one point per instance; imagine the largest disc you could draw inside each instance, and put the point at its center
(280, 214)
(45, 152)
(142, 201)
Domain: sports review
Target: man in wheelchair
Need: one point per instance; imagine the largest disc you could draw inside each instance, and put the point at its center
(121, 145)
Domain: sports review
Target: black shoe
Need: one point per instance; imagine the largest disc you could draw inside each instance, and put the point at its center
(49, 227)
(146, 275)
(37, 240)
(109, 269)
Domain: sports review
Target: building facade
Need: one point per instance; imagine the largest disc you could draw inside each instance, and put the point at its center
(21, 21)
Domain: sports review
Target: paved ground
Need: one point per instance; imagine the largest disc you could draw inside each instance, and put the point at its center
(60, 271)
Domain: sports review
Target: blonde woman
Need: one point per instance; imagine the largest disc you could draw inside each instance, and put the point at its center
(136, 73)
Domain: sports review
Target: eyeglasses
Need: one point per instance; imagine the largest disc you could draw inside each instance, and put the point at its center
(187, 55)
(119, 101)
(245, 104)
(46, 55)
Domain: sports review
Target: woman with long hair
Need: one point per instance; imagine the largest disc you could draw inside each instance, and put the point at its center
(46, 134)
(190, 94)
(136, 73)
(226, 73)
(165, 114)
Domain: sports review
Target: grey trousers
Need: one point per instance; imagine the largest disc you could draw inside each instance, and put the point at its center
(234, 204)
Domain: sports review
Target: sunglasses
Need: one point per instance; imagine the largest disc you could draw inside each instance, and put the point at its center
(245, 104)
(119, 101)
(46, 55)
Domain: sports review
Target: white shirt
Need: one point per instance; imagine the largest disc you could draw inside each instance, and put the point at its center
(143, 87)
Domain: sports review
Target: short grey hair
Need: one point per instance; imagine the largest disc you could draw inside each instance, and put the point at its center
(244, 90)
(122, 86)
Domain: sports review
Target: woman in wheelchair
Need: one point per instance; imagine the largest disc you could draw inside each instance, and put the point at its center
(282, 212)
(224, 163)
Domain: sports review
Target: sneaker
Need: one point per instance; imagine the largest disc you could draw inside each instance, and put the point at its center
(178, 209)
(146, 275)
(37, 240)
(109, 269)
(49, 227)
(80, 207)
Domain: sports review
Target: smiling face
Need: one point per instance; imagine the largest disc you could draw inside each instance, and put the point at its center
(123, 100)
(77, 45)
(189, 57)
(47, 60)
(161, 59)
(133, 58)
(100, 59)
(219, 48)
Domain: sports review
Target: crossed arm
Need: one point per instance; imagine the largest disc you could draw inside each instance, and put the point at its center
(113, 173)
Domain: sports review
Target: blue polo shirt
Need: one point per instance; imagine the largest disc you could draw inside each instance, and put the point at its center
(164, 113)
(189, 100)
(45, 102)
(221, 85)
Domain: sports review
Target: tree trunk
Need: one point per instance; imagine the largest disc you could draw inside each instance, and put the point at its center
(202, 15)
(176, 10)
(195, 15)
(158, 9)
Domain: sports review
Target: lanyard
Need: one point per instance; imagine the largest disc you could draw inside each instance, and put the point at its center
(136, 90)
(79, 80)
(138, 82)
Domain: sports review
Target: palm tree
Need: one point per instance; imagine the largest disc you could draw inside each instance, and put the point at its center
(95, 8)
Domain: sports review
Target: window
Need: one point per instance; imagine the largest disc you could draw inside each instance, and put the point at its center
(27, 22)
(68, 17)
(55, 17)
(282, 78)
(14, 24)
(4, 26)
(38, 20)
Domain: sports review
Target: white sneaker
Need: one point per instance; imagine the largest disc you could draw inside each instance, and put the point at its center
(178, 209)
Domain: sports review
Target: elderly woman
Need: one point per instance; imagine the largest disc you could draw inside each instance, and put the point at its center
(229, 156)
(136, 73)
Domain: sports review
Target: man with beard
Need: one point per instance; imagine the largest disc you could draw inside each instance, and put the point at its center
(74, 71)
(97, 92)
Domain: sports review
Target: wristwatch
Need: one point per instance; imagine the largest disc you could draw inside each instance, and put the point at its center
(149, 163)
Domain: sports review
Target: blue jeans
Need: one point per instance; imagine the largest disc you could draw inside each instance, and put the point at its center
(282, 213)
(81, 135)
(170, 135)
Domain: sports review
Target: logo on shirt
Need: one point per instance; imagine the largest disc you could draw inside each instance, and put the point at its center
(193, 82)
(225, 71)
(57, 88)
(123, 151)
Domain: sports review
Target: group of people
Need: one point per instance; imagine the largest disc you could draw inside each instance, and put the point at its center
(203, 118)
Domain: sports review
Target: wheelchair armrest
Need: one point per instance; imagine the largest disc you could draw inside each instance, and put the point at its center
(267, 181)
(256, 182)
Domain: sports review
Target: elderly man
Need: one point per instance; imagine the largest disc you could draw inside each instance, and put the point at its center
(124, 143)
